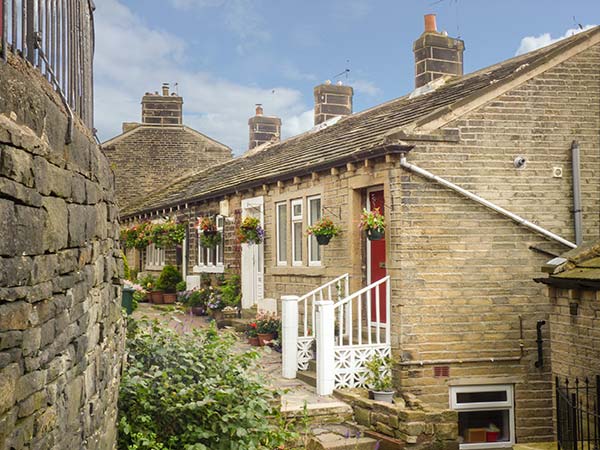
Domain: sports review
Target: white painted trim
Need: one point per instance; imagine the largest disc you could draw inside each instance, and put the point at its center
(295, 219)
(278, 205)
(487, 406)
(316, 263)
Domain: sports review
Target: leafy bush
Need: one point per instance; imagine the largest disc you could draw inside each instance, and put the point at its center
(231, 291)
(147, 281)
(193, 392)
(379, 373)
(181, 286)
(168, 279)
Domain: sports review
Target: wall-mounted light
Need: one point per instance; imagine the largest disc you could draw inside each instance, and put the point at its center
(520, 162)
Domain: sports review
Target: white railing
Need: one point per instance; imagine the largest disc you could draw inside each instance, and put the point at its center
(348, 332)
(360, 328)
(297, 348)
(324, 292)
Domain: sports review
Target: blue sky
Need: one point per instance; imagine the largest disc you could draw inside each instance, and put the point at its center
(227, 55)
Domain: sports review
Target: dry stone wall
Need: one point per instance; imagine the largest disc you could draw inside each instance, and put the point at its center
(61, 326)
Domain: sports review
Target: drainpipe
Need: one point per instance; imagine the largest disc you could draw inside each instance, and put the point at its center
(520, 220)
(540, 344)
(576, 192)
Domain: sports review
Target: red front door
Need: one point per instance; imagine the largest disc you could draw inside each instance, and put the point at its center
(376, 260)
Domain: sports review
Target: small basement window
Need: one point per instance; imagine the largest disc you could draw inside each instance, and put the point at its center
(485, 415)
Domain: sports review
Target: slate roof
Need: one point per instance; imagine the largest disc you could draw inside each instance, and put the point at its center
(577, 269)
(354, 137)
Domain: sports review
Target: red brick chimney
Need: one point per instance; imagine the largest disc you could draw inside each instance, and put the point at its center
(165, 109)
(263, 128)
(436, 54)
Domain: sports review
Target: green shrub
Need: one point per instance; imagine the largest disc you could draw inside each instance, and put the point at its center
(181, 286)
(168, 279)
(126, 271)
(231, 291)
(193, 392)
(148, 282)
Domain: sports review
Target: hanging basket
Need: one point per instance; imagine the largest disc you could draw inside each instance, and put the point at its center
(323, 239)
(209, 233)
(374, 234)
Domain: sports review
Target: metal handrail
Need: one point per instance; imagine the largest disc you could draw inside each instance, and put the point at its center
(57, 38)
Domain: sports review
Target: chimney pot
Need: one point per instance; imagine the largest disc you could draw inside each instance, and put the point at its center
(259, 109)
(430, 26)
(327, 82)
(165, 89)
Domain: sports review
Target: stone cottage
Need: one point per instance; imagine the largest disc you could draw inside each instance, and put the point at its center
(474, 176)
(155, 153)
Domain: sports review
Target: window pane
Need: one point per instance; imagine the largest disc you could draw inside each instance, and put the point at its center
(297, 209)
(314, 216)
(297, 231)
(281, 232)
(481, 397)
(484, 426)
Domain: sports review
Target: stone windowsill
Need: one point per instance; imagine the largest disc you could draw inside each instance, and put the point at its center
(209, 269)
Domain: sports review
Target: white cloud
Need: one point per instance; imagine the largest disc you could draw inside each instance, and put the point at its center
(531, 43)
(291, 72)
(365, 87)
(132, 58)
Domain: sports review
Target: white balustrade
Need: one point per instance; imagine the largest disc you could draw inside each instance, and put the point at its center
(289, 336)
(325, 343)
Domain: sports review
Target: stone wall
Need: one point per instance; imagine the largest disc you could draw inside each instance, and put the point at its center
(61, 326)
(410, 423)
(575, 337)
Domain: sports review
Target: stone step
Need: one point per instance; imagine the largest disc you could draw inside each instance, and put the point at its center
(342, 436)
(308, 376)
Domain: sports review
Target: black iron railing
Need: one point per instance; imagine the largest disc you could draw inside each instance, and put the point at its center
(56, 37)
(578, 414)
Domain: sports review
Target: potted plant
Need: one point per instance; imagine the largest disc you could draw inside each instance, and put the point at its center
(210, 240)
(196, 301)
(207, 226)
(379, 378)
(147, 282)
(252, 334)
(167, 282)
(250, 231)
(267, 327)
(215, 303)
(373, 222)
(323, 230)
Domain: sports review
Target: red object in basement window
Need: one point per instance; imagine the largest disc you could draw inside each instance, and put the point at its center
(441, 371)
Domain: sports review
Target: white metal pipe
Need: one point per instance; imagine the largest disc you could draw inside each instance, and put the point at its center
(575, 163)
(520, 220)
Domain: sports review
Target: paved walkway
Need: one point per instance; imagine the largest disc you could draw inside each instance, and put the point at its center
(296, 393)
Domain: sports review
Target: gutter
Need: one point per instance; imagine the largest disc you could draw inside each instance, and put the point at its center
(520, 220)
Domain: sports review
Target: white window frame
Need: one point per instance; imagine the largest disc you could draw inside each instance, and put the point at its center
(155, 257)
(294, 219)
(311, 237)
(509, 404)
(282, 257)
(205, 262)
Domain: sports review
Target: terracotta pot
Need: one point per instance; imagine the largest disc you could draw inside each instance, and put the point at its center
(323, 239)
(169, 298)
(157, 297)
(263, 338)
(253, 341)
(374, 235)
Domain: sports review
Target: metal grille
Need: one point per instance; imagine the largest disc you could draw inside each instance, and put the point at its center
(56, 37)
(578, 415)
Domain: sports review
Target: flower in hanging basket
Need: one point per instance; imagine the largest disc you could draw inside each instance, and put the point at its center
(168, 234)
(324, 229)
(250, 231)
(210, 240)
(373, 222)
(207, 225)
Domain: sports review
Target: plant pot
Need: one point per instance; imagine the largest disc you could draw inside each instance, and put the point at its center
(198, 310)
(264, 338)
(374, 234)
(157, 297)
(323, 239)
(169, 298)
(383, 396)
(253, 341)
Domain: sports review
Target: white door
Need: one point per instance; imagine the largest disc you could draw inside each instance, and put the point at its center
(252, 257)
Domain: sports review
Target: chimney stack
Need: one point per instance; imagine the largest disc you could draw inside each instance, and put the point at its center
(332, 100)
(436, 54)
(165, 109)
(263, 128)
